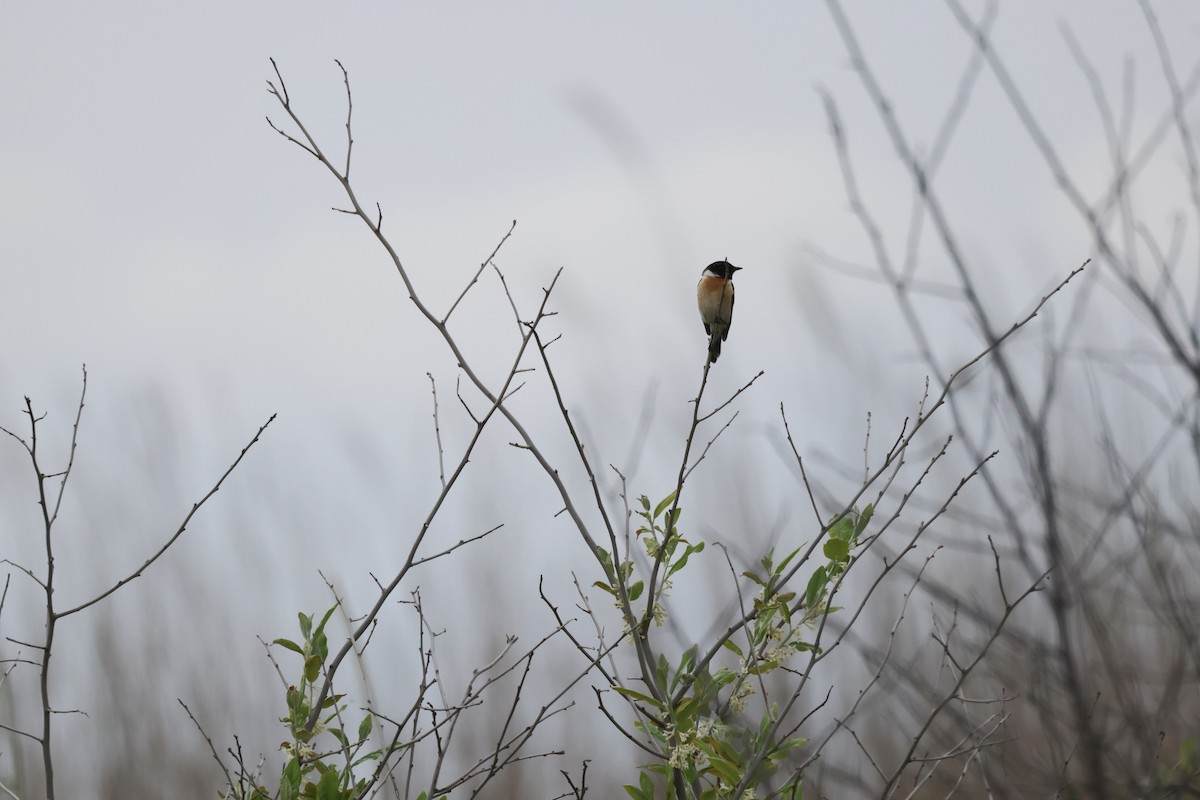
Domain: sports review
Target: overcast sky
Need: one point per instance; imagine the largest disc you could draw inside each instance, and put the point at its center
(153, 226)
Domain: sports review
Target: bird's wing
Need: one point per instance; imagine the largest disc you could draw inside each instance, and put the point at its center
(729, 316)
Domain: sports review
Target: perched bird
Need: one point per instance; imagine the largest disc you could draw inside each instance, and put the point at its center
(714, 295)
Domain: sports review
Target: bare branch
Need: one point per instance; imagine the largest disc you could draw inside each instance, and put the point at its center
(178, 532)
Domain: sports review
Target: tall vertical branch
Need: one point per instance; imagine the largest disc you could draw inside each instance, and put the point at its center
(50, 508)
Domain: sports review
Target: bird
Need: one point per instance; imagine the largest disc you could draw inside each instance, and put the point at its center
(714, 295)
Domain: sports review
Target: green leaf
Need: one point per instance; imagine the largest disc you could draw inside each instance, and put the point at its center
(785, 609)
(604, 557)
(662, 505)
(753, 577)
(768, 561)
(604, 586)
(661, 672)
(787, 560)
(327, 787)
(863, 518)
(644, 790)
(686, 662)
(788, 744)
(843, 529)
(295, 699)
(635, 591)
(324, 619)
(364, 727)
(646, 785)
(682, 562)
(635, 695)
(289, 781)
(724, 677)
(305, 625)
(727, 771)
(312, 667)
(685, 713)
(816, 587)
(729, 645)
(837, 549)
(290, 645)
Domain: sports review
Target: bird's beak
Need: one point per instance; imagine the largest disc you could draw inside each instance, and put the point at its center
(733, 268)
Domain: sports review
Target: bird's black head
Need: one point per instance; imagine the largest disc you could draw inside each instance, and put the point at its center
(722, 269)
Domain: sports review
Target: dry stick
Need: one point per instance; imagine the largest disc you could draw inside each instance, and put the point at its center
(310, 146)
(1033, 427)
(819, 653)
(1074, 195)
(460, 543)
(787, 431)
(920, 422)
(612, 674)
(941, 144)
(750, 648)
(939, 401)
(1127, 172)
(711, 441)
(470, 697)
(1168, 286)
(617, 578)
(1178, 109)
(515, 743)
(641, 646)
(921, 178)
(283, 681)
(1186, 360)
(62, 487)
(4, 595)
(1118, 145)
(912, 317)
(1135, 478)
(972, 750)
(1034, 587)
(651, 584)
(178, 531)
(640, 633)
(48, 587)
(876, 677)
(1177, 105)
(365, 679)
(208, 739)
(411, 559)
(612, 678)
(897, 452)
(437, 431)
(482, 267)
(49, 517)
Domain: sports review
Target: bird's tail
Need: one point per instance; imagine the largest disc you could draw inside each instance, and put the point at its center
(714, 347)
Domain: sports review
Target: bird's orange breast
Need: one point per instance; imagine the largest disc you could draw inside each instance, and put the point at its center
(715, 298)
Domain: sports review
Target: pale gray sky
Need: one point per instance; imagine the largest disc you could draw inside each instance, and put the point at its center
(154, 227)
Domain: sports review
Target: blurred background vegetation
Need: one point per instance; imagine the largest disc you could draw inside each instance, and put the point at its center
(1092, 409)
